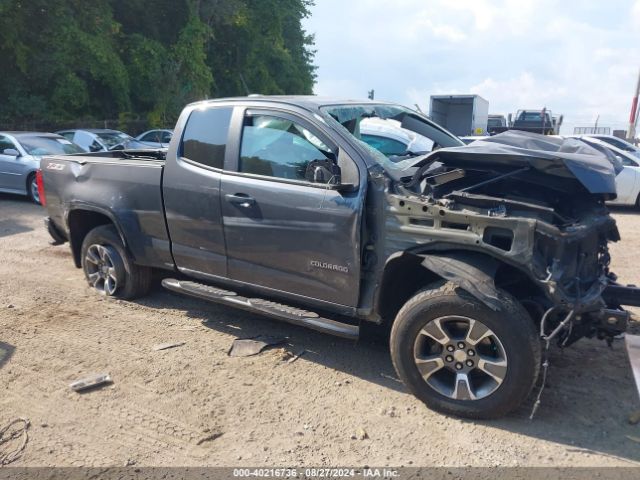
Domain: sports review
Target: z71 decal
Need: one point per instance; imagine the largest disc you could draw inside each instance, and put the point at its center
(55, 166)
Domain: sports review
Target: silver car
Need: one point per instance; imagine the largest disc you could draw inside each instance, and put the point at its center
(20, 154)
(103, 140)
(159, 138)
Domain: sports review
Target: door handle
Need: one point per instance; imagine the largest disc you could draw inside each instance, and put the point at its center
(240, 199)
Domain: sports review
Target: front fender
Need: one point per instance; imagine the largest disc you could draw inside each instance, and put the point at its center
(470, 271)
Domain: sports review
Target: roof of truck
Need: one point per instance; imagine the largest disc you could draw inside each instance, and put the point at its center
(306, 101)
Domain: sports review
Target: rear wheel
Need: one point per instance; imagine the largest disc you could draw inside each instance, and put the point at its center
(32, 189)
(462, 358)
(109, 268)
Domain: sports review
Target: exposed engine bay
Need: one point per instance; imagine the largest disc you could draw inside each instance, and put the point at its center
(517, 211)
(541, 211)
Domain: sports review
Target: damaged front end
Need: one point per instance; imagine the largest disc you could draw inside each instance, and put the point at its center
(523, 214)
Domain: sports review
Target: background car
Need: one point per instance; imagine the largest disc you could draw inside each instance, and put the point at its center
(159, 138)
(389, 138)
(103, 140)
(618, 143)
(20, 154)
(628, 180)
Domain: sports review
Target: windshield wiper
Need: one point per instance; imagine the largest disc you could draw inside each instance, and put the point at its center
(407, 156)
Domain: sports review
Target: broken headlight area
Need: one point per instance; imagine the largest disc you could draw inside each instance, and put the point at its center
(550, 228)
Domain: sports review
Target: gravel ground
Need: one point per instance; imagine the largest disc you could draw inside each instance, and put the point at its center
(194, 405)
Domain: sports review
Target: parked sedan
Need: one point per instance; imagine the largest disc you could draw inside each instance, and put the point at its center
(389, 138)
(103, 140)
(20, 154)
(618, 143)
(628, 180)
(157, 138)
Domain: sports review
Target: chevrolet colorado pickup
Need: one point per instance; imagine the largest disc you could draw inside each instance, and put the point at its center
(469, 254)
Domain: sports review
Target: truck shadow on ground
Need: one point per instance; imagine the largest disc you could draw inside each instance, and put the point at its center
(6, 352)
(589, 394)
(12, 224)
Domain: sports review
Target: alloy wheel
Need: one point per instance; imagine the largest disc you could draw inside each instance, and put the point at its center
(460, 357)
(100, 265)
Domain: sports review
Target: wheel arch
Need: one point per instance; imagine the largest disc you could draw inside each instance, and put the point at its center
(81, 220)
(480, 274)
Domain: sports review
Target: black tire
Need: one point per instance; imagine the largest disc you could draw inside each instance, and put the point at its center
(132, 281)
(513, 334)
(34, 195)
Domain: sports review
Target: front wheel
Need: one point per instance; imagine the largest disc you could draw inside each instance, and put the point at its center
(109, 268)
(462, 358)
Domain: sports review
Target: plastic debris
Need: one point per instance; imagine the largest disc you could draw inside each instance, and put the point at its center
(245, 347)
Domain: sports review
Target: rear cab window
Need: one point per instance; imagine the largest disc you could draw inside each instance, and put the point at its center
(205, 136)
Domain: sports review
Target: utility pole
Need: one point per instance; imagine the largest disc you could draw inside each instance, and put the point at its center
(370, 94)
(595, 128)
(633, 117)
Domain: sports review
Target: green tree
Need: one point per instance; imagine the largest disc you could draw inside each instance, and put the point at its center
(72, 59)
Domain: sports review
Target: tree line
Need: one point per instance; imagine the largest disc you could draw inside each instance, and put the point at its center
(120, 59)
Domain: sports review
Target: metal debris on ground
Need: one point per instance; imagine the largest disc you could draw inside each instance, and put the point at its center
(245, 347)
(7, 434)
(90, 382)
(165, 346)
(209, 438)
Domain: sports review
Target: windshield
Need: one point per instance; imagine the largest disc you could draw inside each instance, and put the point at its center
(48, 146)
(111, 139)
(533, 116)
(494, 122)
(392, 134)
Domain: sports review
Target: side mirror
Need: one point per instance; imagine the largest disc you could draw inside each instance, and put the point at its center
(12, 152)
(323, 171)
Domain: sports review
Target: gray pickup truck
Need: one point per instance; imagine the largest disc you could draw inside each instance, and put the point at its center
(469, 254)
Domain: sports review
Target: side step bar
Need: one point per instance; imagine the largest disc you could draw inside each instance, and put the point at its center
(264, 307)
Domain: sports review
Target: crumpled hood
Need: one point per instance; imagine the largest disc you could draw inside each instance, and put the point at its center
(595, 169)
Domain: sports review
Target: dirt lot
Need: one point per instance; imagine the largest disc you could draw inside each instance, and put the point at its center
(266, 411)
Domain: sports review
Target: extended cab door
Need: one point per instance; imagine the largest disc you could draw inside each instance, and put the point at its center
(285, 230)
(191, 188)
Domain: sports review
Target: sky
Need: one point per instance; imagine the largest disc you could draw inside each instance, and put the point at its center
(579, 58)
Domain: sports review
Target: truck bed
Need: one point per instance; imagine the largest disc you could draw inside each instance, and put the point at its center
(122, 185)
